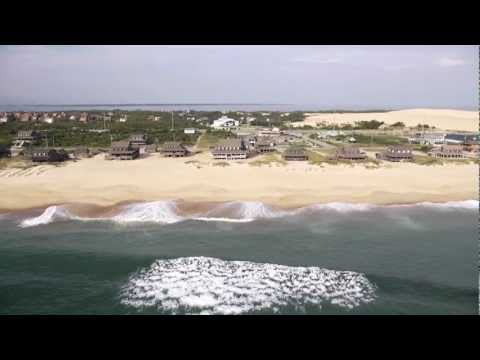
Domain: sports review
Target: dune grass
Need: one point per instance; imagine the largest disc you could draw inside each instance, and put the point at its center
(268, 159)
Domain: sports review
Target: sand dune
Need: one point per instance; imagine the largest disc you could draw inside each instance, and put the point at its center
(459, 120)
(105, 183)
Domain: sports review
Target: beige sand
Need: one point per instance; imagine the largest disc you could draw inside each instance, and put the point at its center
(459, 120)
(105, 183)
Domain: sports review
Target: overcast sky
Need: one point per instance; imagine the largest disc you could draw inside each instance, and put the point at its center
(323, 76)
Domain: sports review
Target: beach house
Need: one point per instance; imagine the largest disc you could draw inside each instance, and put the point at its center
(138, 140)
(294, 153)
(230, 149)
(448, 152)
(396, 153)
(265, 144)
(173, 149)
(350, 153)
(122, 150)
(49, 155)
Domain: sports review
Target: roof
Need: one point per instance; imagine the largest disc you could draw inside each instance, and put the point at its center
(230, 144)
(398, 148)
(173, 146)
(350, 151)
(122, 143)
(295, 151)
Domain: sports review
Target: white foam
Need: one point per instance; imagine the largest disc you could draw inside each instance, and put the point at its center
(341, 207)
(202, 285)
(50, 214)
(222, 219)
(165, 212)
(467, 204)
(157, 211)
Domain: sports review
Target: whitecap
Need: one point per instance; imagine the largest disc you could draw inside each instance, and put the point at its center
(203, 285)
(50, 214)
(157, 211)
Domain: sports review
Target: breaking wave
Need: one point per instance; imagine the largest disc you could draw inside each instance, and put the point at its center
(52, 213)
(203, 285)
(166, 212)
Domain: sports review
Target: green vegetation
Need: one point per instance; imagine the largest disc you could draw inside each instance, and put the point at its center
(372, 124)
(398, 124)
(268, 159)
(375, 139)
(211, 137)
(66, 133)
(427, 160)
(424, 148)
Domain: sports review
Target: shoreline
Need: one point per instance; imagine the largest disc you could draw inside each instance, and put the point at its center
(194, 207)
(195, 180)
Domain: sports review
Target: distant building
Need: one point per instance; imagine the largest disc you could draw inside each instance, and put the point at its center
(190, 131)
(428, 138)
(225, 123)
(29, 136)
(295, 154)
(83, 117)
(396, 153)
(123, 118)
(25, 117)
(47, 119)
(270, 132)
(49, 155)
(3, 118)
(230, 149)
(470, 142)
(173, 149)
(350, 153)
(448, 152)
(122, 150)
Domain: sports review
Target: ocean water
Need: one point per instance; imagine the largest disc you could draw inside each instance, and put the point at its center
(242, 258)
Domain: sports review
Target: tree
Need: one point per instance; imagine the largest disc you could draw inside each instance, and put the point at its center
(399, 124)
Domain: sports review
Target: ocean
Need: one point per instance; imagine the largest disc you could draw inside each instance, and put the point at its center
(242, 258)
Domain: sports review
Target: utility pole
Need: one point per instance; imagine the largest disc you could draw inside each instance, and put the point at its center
(173, 127)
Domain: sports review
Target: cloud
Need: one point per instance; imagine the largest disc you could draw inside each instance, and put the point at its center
(449, 62)
(318, 60)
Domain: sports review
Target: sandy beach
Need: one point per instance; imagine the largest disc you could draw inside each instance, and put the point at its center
(444, 119)
(199, 179)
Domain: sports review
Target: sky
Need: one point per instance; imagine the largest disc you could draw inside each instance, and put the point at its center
(323, 76)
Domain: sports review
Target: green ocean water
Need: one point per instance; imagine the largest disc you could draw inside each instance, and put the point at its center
(419, 260)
